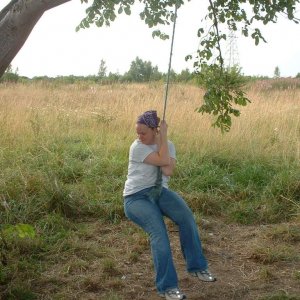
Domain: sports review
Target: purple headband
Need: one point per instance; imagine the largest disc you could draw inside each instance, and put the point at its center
(149, 118)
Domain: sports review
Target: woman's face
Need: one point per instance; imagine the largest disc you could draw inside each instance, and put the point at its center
(145, 134)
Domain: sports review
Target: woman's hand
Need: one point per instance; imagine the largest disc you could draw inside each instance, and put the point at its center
(161, 157)
(163, 129)
(158, 140)
(162, 134)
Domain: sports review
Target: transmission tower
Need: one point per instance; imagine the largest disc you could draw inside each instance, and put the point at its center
(232, 54)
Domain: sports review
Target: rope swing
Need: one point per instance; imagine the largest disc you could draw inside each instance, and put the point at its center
(158, 183)
(170, 63)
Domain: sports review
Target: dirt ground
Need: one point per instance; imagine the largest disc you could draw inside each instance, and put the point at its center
(114, 262)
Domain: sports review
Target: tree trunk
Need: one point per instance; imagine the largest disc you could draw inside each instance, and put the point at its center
(17, 20)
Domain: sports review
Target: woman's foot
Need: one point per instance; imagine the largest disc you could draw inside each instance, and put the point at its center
(204, 275)
(173, 294)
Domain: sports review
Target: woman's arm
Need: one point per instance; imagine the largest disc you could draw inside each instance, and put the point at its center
(169, 169)
(160, 158)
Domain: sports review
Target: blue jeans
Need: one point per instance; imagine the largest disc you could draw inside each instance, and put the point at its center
(147, 211)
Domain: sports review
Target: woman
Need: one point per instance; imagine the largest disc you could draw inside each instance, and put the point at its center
(147, 200)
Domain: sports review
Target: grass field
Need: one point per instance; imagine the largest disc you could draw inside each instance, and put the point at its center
(63, 162)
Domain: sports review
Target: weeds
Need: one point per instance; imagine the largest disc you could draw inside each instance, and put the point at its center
(109, 267)
(287, 233)
(113, 296)
(266, 274)
(63, 160)
(296, 275)
(280, 296)
(270, 254)
(20, 292)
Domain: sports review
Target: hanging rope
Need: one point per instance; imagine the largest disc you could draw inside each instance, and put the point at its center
(158, 184)
(170, 63)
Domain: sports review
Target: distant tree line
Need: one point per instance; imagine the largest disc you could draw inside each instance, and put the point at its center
(140, 71)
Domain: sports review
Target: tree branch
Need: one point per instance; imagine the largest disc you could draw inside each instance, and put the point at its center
(218, 35)
(53, 3)
(7, 8)
(17, 20)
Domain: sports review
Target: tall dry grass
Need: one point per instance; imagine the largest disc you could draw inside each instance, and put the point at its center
(63, 158)
(268, 128)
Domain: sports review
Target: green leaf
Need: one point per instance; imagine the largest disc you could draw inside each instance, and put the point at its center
(127, 10)
(156, 33)
(200, 32)
(21, 230)
(25, 230)
(188, 57)
(142, 15)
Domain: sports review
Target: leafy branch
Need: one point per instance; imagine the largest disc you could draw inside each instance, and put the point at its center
(224, 88)
(155, 13)
(223, 91)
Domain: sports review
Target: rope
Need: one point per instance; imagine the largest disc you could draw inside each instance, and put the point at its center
(158, 184)
(170, 63)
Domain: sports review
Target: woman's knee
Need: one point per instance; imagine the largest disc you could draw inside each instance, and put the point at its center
(160, 241)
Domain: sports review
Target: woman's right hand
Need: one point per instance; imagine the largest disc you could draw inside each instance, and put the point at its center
(163, 129)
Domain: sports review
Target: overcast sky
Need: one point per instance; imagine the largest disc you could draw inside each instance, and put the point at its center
(54, 48)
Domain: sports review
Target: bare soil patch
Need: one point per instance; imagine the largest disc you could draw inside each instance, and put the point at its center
(114, 262)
